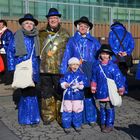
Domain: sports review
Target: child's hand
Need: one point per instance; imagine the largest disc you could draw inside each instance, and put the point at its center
(93, 87)
(93, 90)
(65, 85)
(121, 91)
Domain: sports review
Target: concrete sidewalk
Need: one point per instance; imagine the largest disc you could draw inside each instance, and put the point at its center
(127, 123)
(6, 133)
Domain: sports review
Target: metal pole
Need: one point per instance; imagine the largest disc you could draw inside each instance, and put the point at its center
(26, 6)
(111, 15)
(92, 15)
(72, 19)
(129, 16)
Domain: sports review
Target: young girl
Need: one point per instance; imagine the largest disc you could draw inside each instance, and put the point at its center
(73, 82)
(99, 86)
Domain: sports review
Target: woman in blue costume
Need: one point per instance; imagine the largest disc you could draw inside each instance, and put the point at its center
(83, 46)
(122, 44)
(100, 89)
(24, 44)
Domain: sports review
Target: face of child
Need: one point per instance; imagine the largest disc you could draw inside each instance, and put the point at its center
(74, 67)
(105, 56)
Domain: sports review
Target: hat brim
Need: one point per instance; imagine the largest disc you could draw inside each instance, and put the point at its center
(104, 50)
(21, 20)
(58, 15)
(88, 23)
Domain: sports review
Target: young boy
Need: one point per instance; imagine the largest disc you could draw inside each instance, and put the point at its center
(100, 88)
(73, 82)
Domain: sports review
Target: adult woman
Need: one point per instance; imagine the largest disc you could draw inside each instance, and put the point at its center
(25, 44)
(83, 46)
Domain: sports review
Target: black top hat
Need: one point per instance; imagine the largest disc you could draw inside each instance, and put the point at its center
(28, 17)
(105, 48)
(83, 20)
(53, 12)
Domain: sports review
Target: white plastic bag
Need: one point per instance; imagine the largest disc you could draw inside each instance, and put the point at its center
(114, 96)
(23, 75)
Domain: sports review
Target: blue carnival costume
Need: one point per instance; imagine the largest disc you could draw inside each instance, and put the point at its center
(75, 118)
(84, 48)
(121, 40)
(99, 84)
(138, 71)
(6, 76)
(28, 108)
(107, 112)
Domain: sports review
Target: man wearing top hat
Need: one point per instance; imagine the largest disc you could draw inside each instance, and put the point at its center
(83, 46)
(53, 40)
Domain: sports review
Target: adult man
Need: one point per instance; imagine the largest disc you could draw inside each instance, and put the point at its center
(83, 46)
(53, 40)
(122, 44)
(5, 36)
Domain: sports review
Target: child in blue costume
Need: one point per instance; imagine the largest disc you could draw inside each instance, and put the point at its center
(73, 82)
(99, 86)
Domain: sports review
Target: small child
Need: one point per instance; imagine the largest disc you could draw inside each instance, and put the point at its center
(100, 88)
(73, 82)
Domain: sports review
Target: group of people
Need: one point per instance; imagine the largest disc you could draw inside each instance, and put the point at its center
(68, 72)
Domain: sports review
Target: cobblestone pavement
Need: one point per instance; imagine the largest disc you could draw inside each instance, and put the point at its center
(127, 123)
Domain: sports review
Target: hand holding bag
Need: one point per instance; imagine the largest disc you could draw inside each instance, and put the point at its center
(114, 96)
(23, 74)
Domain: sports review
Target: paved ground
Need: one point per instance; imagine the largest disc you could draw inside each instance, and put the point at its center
(127, 124)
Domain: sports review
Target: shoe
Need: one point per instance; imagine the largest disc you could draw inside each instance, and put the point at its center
(92, 124)
(34, 125)
(46, 123)
(78, 129)
(107, 129)
(103, 128)
(67, 130)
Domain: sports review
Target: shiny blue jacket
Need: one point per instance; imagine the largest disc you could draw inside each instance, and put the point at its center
(13, 61)
(74, 77)
(80, 47)
(128, 41)
(5, 39)
(112, 71)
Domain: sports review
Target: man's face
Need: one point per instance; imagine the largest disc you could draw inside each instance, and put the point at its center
(28, 25)
(1, 25)
(53, 21)
(83, 28)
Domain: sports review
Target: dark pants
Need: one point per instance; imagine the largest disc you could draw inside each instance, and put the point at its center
(52, 94)
(123, 67)
(50, 86)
